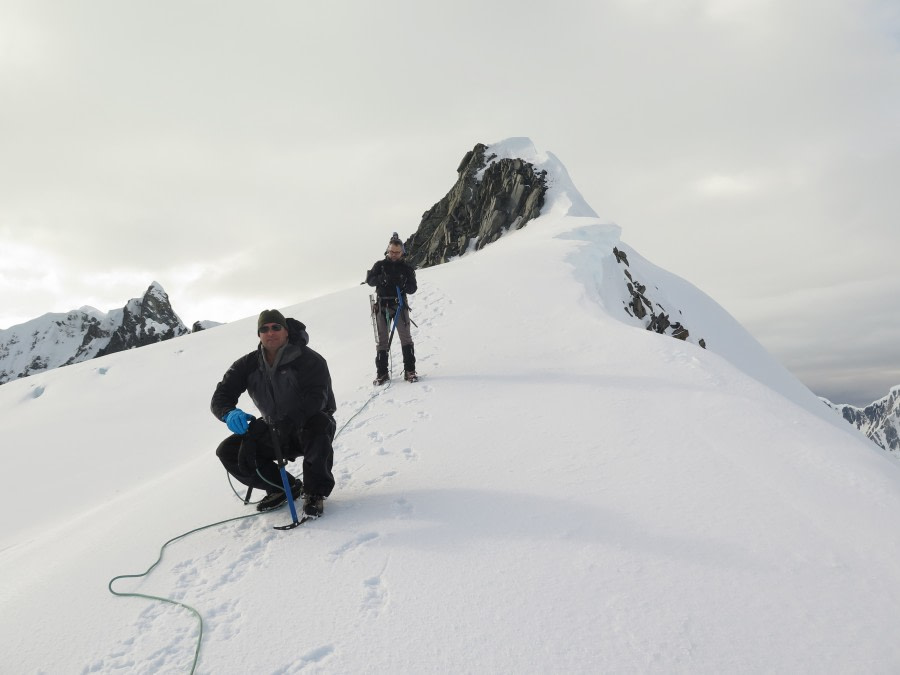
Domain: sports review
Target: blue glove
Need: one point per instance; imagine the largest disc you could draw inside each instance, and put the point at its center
(237, 421)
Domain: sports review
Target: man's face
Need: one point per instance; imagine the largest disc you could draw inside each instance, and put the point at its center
(273, 336)
(394, 252)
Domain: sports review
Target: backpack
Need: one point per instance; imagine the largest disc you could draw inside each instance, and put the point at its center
(297, 334)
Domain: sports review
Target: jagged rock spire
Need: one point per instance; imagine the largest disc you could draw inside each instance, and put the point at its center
(488, 199)
(55, 340)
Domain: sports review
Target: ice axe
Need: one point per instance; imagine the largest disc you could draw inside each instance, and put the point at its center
(396, 316)
(284, 482)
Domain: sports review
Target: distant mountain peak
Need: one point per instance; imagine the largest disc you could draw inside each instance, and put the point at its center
(491, 196)
(879, 421)
(501, 188)
(61, 339)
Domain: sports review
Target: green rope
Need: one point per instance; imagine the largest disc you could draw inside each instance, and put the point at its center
(170, 600)
(365, 405)
(236, 494)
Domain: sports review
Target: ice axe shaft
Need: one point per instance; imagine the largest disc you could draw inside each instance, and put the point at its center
(284, 482)
(396, 316)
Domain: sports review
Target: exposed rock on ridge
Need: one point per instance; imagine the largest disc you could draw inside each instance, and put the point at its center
(55, 340)
(879, 421)
(488, 199)
(652, 314)
(204, 325)
(493, 196)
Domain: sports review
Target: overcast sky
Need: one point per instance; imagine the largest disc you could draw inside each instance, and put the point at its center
(247, 155)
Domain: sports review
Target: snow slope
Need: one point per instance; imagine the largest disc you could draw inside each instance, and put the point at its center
(561, 492)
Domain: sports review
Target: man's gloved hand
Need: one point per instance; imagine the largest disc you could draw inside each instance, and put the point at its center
(237, 421)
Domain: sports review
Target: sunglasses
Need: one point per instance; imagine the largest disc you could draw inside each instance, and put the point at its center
(274, 327)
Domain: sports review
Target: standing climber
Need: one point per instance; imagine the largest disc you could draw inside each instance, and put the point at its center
(393, 279)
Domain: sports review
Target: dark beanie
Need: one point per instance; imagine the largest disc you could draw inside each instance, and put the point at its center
(269, 316)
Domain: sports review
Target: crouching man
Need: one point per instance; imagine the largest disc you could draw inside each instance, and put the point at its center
(290, 385)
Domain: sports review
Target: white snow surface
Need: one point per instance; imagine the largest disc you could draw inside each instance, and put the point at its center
(563, 491)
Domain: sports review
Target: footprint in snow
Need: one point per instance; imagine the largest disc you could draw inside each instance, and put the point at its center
(360, 540)
(375, 595)
(314, 657)
(373, 481)
(223, 620)
(344, 477)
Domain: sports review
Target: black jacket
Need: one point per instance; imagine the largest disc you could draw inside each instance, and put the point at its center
(300, 387)
(386, 275)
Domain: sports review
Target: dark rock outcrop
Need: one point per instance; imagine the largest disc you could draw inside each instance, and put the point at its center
(879, 421)
(488, 199)
(204, 325)
(145, 321)
(652, 314)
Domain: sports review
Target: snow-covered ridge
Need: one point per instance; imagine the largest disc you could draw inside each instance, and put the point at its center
(596, 265)
(564, 491)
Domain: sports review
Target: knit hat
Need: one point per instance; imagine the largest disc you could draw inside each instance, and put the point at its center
(269, 316)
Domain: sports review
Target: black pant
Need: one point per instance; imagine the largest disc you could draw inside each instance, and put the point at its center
(251, 458)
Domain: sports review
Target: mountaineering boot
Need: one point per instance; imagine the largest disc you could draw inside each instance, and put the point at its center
(409, 363)
(381, 367)
(313, 505)
(275, 499)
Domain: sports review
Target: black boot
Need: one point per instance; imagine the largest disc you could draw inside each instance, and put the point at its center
(313, 505)
(409, 363)
(381, 367)
(277, 498)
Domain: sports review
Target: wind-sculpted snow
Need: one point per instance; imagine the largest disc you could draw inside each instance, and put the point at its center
(563, 198)
(606, 280)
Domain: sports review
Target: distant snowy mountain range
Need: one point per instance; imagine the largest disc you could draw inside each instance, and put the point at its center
(57, 339)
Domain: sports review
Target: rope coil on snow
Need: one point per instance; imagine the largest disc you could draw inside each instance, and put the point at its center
(170, 600)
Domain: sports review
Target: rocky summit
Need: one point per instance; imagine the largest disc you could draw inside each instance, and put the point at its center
(498, 191)
(61, 339)
(489, 198)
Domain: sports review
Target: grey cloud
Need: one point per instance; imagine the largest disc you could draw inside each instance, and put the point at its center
(162, 138)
